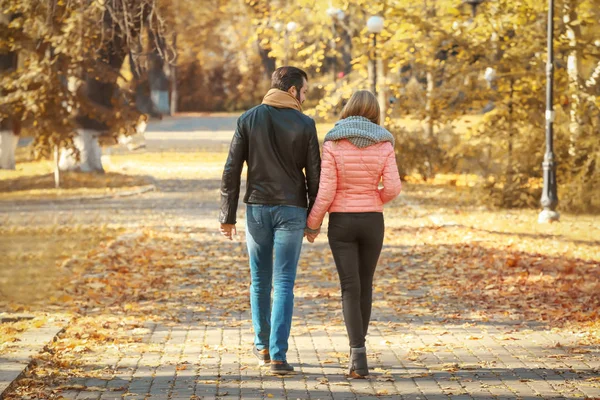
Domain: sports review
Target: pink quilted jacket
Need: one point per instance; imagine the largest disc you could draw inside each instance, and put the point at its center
(350, 178)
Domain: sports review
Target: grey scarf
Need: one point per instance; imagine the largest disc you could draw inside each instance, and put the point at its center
(359, 131)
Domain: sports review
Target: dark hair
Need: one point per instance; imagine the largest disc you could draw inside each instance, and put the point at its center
(285, 77)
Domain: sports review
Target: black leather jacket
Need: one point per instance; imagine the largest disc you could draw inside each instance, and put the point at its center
(277, 144)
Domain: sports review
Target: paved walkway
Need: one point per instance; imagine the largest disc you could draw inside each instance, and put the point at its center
(193, 360)
(24, 346)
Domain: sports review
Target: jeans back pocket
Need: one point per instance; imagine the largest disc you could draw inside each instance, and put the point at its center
(291, 218)
(254, 215)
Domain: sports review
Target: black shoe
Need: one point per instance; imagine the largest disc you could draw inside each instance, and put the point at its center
(281, 368)
(358, 367)
(262, 356)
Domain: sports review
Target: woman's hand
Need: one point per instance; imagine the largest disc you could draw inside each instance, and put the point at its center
(311, 234)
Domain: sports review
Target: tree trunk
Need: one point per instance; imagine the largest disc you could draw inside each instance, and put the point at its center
(346, 50)
(509, 163)
(431, 13)
(8, 147)
(573, 32)
(593, 77)
(9, 127)
(269, 63)
(174, 93)
(56, 167)
(429, 120)
(100, 94)
(143, 103)
(90, 153)
(157, 76)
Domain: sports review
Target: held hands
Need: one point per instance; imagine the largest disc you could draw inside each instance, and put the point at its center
(311, 234)
(228, 230)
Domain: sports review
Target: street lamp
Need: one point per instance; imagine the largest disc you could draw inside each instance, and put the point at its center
(549, 197)
(374, 26)
(474, 4)
(334, 14)
(289, 28)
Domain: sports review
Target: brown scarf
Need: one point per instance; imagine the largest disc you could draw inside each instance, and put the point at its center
(280, 99)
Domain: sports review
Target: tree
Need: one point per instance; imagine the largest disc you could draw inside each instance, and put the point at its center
(66, 90)
(579, 51)
(9, 127)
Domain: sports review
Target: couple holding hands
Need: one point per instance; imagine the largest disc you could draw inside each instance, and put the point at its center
(286, 177)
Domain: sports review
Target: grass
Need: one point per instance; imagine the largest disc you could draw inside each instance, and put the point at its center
(172, 165)
(35, 180)
(462, 202)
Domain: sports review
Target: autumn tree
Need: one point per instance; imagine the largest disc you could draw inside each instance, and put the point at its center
(578, 139)
(512, 135)
(9, 122)
(66, 85)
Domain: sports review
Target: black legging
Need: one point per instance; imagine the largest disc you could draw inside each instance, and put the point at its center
(356, 240)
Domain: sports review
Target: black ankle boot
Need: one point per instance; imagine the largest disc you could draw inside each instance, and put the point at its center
(358, 366)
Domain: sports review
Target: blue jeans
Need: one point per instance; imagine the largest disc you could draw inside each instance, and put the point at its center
(278, 230)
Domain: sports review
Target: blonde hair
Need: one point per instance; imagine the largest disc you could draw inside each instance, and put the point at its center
(362, 104)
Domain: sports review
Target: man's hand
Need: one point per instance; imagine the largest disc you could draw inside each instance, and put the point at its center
(311, 234)
(228, 230)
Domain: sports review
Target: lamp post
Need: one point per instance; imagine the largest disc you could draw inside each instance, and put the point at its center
(334, 14)
(289, 28)
(549, 199)
(474, 4)
(375, 26)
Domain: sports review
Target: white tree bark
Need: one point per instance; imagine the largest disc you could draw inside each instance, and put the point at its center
(429, 106)
(173, 77)
(90, 154)
(8, 147)
(593, 80)
(56, 169)
(174, 93)
(570, 15)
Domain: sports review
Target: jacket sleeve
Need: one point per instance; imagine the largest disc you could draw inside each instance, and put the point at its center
(327, 189)
(313, 166)
(230, 182)
(391, 179)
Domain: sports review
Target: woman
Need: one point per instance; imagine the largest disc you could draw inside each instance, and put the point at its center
(357, 155)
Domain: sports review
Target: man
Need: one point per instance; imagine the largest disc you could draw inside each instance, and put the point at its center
(278, 142)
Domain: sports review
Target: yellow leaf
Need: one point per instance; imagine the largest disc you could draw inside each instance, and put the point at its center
(65, 298)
